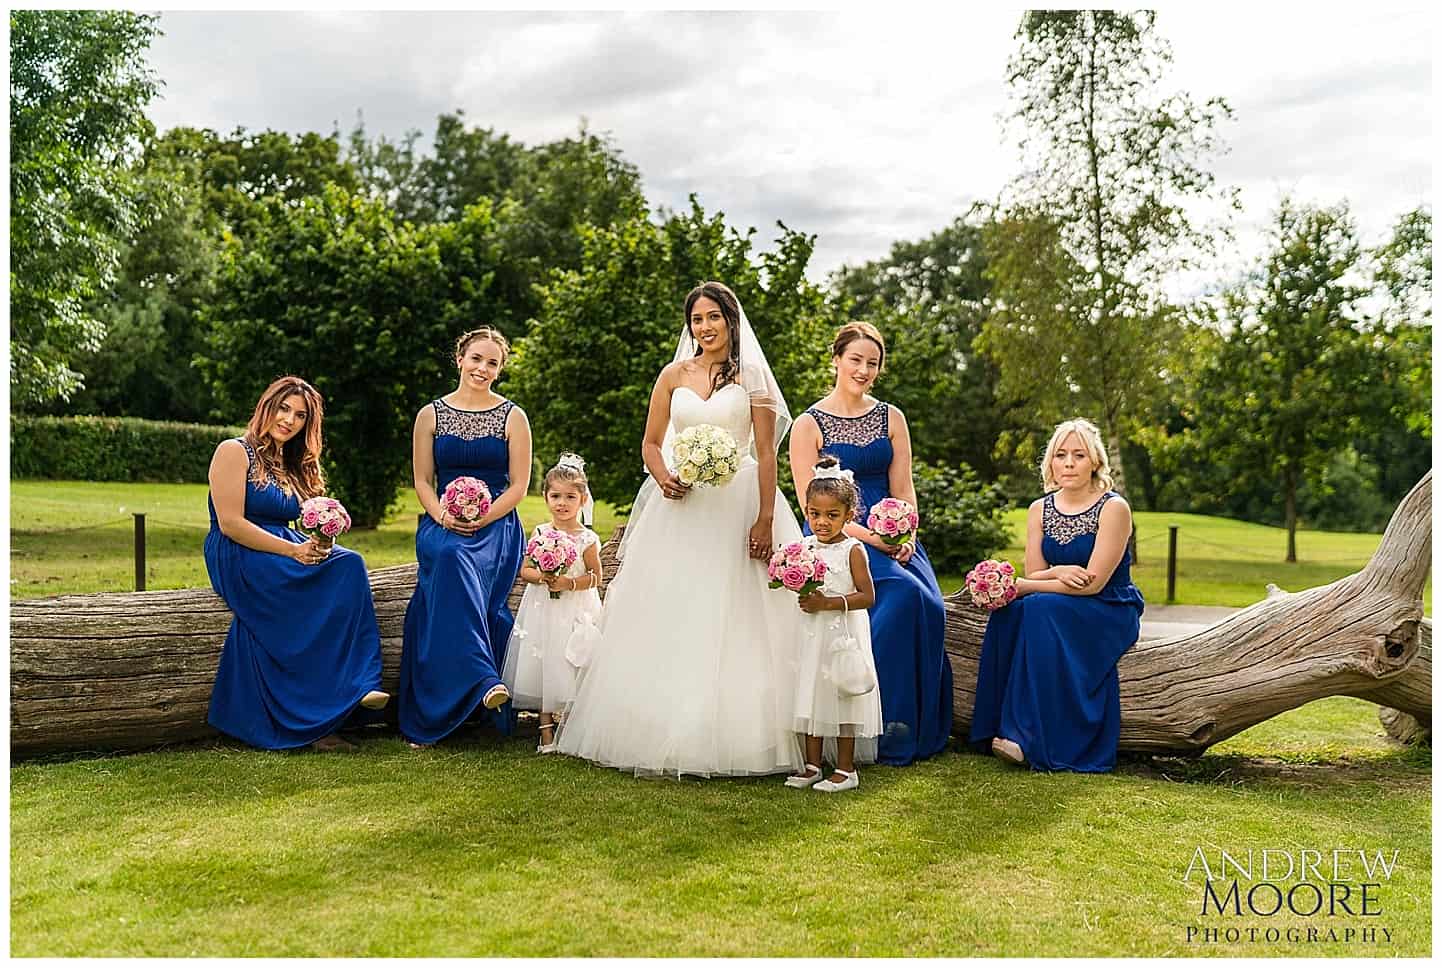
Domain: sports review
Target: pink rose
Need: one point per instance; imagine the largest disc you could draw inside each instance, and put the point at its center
(309, 519)
(819, 572)
(793, 549)
(547, 561)
(331, 528)
(889, 527)
(793, 577)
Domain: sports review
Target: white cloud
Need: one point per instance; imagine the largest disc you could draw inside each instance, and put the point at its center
(863, 128)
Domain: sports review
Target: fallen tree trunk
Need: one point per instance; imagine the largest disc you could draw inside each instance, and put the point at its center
(128, 671)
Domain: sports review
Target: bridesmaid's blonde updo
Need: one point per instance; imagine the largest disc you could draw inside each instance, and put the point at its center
(1091, 439)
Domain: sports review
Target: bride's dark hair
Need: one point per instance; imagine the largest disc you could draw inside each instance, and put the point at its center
(721, 295)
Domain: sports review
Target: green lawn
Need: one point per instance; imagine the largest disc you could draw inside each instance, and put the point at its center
(76, 536)
(480, 847)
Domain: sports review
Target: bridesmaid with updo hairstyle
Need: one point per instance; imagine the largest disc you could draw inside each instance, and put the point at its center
(458, 622)
(908, 621)
(303, 650)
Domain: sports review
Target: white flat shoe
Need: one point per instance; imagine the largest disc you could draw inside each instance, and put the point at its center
(496, 696)
(1005, 749)
(375, 699)
(800, 782)
(852, 781)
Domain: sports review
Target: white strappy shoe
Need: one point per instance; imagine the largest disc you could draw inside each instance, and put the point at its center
(496, 696)
(801, 782)
(852, 781)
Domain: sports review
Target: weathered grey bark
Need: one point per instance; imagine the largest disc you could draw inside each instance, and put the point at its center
(127, 671)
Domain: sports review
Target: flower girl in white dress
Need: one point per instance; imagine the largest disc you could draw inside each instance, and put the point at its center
(553, 637)
(837, 698)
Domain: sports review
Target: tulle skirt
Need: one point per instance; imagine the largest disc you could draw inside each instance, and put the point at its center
(695, 670)
(821, 709)
(537, 671)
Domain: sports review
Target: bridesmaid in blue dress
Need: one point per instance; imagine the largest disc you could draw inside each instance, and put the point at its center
(458, 622)
(303, 650)
(908, 621)
(1046, 691)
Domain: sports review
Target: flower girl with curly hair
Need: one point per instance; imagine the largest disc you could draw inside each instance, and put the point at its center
(556, 623)
(837, 699)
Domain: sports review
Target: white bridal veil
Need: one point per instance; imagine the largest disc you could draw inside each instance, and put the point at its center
(761, 387)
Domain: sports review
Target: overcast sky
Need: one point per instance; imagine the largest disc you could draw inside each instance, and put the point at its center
(862, 128)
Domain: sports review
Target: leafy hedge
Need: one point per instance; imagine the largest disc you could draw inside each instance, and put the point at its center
(113, 449)
(960, 516)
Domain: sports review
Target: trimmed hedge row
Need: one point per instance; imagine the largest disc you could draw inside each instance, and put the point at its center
(113, 449)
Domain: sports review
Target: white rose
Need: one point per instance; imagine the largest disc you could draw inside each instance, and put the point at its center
(699, 456)
(687, 473)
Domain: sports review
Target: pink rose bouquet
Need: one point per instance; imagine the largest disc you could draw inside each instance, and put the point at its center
(992, 584)
(894, 520)
(796, 568)
(552, 552)
(466, 499)
(323, 519)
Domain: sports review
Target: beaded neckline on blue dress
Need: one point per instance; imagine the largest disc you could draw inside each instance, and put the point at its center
(471, 424)
(860, 430)
(1063, 527)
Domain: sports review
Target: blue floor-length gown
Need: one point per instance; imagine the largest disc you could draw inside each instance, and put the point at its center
(458, 621)
(908, 621)
(1048, 673)
(303, 646)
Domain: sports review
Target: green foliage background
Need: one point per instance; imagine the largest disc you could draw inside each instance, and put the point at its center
(171, 275)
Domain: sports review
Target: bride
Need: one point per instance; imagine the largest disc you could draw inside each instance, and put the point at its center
(695, 669)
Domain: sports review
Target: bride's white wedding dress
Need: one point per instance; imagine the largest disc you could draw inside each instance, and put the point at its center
(696, 668)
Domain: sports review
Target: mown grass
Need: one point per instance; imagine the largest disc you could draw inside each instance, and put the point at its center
(480, 847)
(77, 536)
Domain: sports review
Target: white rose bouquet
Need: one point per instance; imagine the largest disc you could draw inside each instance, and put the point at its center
(705, 454)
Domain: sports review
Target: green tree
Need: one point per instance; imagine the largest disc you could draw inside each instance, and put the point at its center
(928, 297)
(1292, 377)
(1099, 218)
(556, 188)
(202, 187)
(332, 289)
(585, 371)
(78, 90)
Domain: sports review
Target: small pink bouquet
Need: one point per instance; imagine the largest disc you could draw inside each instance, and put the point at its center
(552, 552)
(323, 519)
(466, 499)
(894, 520)
(796, 568)
(992, 584)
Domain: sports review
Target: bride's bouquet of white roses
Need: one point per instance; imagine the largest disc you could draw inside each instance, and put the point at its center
(706, 454)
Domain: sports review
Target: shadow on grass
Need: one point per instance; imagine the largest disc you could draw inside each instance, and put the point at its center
(1402, 765)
